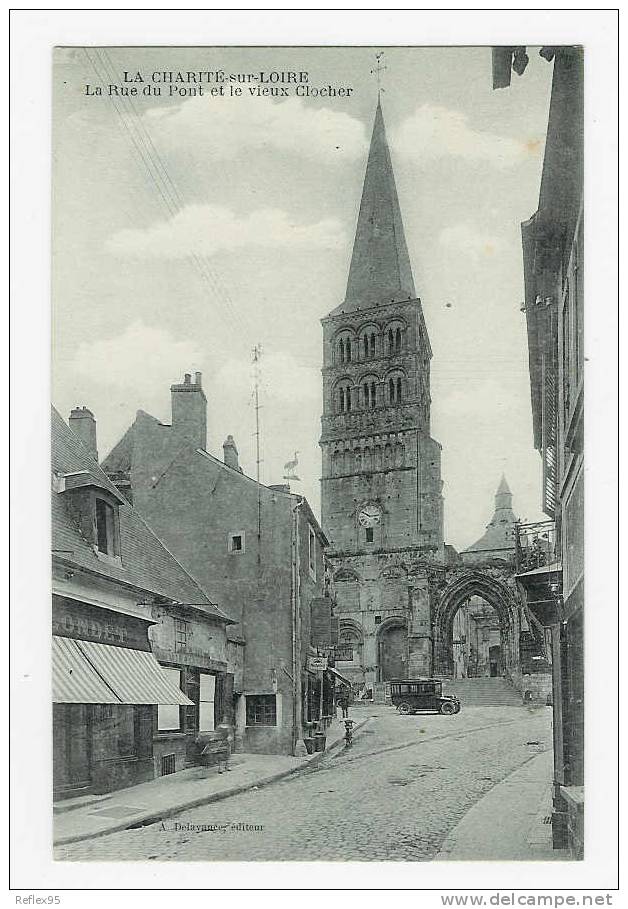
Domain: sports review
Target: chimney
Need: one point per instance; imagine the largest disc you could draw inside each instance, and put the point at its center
(189, 411)
(230, 456)
(83, 425)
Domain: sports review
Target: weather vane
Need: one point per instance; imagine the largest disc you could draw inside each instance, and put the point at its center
(379, 69)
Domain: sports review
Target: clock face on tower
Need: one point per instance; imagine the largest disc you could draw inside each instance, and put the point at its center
(369, 516)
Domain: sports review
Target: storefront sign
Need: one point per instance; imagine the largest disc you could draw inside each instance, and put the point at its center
(317, 663)
(72, 619)
(320, 610)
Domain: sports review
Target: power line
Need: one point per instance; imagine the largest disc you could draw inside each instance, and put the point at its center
(173, 200)
(161, 180)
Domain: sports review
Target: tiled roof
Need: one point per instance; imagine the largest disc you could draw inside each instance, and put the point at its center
(145, 562)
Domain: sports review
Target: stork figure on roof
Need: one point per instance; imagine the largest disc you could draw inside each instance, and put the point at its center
(290, 468)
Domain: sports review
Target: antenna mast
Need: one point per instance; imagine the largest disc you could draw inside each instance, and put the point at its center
(257, 355)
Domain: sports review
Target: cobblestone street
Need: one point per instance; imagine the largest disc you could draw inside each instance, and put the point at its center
(394, 796)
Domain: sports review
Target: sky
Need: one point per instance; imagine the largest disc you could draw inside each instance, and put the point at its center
(187, 230)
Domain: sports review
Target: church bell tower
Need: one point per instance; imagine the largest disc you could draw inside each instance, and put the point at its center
(381, 486)
(382, 507)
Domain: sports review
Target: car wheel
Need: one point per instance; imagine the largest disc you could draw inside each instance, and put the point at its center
(457, 710)
(447, 708)
(404, 708)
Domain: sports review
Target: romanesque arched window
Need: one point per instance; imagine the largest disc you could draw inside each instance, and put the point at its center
(343, 396)
(347, 346)
(395, 337)
(395, 387)
(369, 395)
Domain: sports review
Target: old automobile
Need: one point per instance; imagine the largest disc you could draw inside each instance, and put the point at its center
(414, 695)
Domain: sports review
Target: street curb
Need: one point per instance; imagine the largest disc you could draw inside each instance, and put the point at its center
(316, 759)
(450, 843)
(153, 817)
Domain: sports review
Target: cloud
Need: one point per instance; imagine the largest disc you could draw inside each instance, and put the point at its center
(472, 242)
(208, 229)
(143, 355)
(434, 132)
(227, 127)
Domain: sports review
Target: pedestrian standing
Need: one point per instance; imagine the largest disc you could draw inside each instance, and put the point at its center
(225, 733)
(343, 702)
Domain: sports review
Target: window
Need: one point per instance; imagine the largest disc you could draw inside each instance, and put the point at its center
(370, 536)
(235, 542)
(378, 619)
(261, 710)
(369, 395)
(344, 349)
(398, 339)
(395, 390)
(372, 345)
(344, 398)
(180, 634)
(169, 715)
(312, 553)
(105, 527)
(207, 696)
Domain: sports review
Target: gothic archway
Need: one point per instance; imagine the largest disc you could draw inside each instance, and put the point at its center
(494, 591)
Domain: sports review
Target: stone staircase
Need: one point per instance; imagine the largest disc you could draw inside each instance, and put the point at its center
(485, 692)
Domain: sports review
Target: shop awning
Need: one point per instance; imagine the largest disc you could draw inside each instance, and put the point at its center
(342, 678)
(74, 681)
(125, 676)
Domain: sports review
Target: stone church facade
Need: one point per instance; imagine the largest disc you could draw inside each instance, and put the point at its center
(382, 506)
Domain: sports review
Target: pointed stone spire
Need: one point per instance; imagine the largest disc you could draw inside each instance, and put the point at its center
(503, 505)
(503, 496)
(380, 270)
(499, 536)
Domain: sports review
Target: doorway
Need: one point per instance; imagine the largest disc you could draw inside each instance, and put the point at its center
(392, 652)
(71, 728)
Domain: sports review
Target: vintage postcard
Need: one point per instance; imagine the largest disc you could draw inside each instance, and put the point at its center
(318, 461)
(317, 312)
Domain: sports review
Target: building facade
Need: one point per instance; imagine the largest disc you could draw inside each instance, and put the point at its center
(258, 550)
(553, 259)
(116, 592)
(381, 488)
